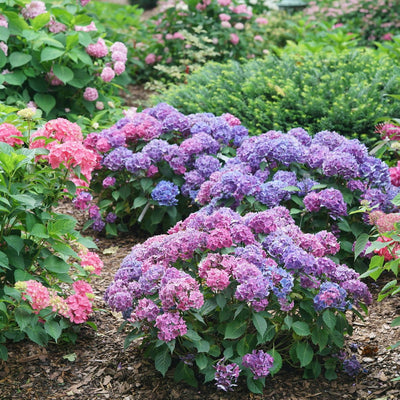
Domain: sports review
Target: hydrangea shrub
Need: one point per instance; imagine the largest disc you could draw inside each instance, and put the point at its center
(45, 264)
(226, 296)
(56, 56)
(152, 165)
(323, 180)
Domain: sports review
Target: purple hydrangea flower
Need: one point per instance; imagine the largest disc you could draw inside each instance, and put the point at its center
(259, 362)
(109, 181)
(82, 200)
(226, 375)
(115, 160)
(110, 218)
(351, 366)
(330, 295)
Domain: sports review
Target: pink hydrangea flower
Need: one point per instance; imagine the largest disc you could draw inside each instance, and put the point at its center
(55, 26)
(3, 21)
(71, 154)
(80, 308)
(59, 129)
(82, 287)
(52, 79)
(90, 94)
(107, 75)
(234, 38)
(119, 67)
(239, 26)
(4, 48)
(87, 28)
(8, 133)
(150, 59)
(84, 2)
(224, 17)
(178, 35)
(99, 105)
(98, 49)
(226, 24)
(38, 295)
(224, 3)
(261, 21)
(258, 38)
(91, 259)
(33, 9)
(170, 325)
(217, 279)
(395, 175)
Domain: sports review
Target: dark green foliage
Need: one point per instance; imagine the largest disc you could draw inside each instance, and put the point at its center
(345, 92)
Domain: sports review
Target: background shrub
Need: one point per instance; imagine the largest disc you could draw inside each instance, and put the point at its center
(346, 92)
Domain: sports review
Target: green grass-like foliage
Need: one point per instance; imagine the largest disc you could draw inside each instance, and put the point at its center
(345, 92)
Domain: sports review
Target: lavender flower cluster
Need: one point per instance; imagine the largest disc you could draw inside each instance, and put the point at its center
(141, 143)
(259, 257)
(262, 168)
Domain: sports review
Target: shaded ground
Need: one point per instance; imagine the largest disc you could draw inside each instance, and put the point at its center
(97, 367)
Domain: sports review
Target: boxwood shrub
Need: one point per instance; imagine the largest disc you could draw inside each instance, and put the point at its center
(346, 92)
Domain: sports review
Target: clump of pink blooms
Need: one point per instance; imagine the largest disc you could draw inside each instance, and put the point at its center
(76, 307)
(64, 141)
(10, 134)
(33, 9)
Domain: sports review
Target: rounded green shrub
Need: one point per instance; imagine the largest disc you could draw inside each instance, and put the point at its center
(347, 92)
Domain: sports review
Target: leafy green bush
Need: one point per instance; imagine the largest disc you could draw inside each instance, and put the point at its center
(373, 20)
(45, 265)
(56, 55)
(181, 38)
(346, 92)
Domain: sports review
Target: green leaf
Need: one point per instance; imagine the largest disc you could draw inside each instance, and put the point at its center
(202, 346)
(53, 329)
(320, 337)
(139, 202)
(184, 373)
(277, 365)
(360, 244)
(4, 34)
(39, 230)
(259, 323)
(329, 318)
(146, 184)
(15, 242)
(50, 53)
(16, 78)
(70, 357)
(162, 360)
(45, 101)
(3, 352)
(255, 385)
(24, 318)
(192, 335)
(56, 264)
(301, 328)
(395, 322)
(3, 61)
(17, 59)
(235, 329)
(201, 361)
(40, 21)
(3, 260)
(63, 73)
(62, 225)
(304, 353)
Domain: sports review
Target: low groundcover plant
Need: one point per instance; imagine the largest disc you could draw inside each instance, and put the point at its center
(224, 295)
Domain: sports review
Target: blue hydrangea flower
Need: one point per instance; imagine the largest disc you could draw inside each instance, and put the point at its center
(165, 193)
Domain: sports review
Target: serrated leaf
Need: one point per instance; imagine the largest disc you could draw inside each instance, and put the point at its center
(235, 329)
(162, 361)
(301, 328)
(329, 318)
(3, 352)
(17, 59)
(139, 202)
(40, 21)
(63, 73)
(360, 244)
(15, 242)
(260, 323)
(53, 329)
(304, 353)
(39, 230)
(184, 373)
(277, 365)
(45, 101)
(50, 53)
